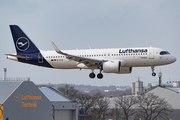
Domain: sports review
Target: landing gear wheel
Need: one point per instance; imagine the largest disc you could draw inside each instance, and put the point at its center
(153, 74)
(100, 76)
(92, 75)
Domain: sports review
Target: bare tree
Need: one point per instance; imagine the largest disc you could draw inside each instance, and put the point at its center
(124, 108)
(151, 107)
(100, 110)
(85, 102)
(70, 91)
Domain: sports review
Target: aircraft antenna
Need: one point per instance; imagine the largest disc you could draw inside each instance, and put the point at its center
(89, 47)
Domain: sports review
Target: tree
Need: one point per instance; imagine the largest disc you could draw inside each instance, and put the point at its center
(85, 102)
(151, 107)
(100, 109)
(124, 108)
(69, 91)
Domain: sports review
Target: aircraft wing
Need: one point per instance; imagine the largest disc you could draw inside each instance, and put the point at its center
(89, 62)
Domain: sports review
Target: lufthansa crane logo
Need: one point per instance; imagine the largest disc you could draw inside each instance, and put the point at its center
(22, 44)
(16, 96)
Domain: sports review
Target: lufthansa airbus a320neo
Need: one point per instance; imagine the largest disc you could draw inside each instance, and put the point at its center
(116, 60)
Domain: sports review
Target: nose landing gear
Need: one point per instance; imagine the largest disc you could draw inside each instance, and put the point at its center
(153, 73)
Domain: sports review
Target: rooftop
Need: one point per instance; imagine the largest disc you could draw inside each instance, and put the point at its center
(7, 88)
(53, 95)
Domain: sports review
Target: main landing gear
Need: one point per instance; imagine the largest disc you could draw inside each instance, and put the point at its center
(92, 75)
(99, 76)
(153, 73)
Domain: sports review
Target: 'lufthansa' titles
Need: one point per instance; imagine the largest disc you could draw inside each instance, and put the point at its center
(29, 97)
(133, 51)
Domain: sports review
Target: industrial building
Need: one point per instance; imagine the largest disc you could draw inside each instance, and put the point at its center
(137, 87)
(170, 92)
(63, 107)
(23, 100)
(172, 96)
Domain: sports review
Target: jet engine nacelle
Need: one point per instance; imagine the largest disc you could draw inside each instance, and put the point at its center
(125, 70)
(115, 67)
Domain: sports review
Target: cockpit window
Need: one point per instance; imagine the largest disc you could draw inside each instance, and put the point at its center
(164, 52)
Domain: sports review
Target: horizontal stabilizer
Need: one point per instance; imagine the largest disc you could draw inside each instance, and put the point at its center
(17, 56)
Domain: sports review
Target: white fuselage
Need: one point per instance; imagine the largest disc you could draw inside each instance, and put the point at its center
(133, 57)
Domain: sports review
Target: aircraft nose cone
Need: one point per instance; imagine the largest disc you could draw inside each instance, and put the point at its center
(173, 59)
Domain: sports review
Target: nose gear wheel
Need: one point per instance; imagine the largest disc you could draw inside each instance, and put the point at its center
(153, 73)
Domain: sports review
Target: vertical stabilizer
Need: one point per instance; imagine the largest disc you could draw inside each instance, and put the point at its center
(21, 41)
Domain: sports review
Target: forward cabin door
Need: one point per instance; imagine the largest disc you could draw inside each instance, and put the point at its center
(151, 53)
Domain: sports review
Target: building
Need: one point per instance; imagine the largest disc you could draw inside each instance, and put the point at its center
(173, 83)
(172, 96)
(63, 107)
(137, 87)
(22, 100)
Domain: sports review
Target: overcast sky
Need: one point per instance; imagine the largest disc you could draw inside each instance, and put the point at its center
(75, 24)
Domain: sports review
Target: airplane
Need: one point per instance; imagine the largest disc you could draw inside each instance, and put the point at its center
(114, 60)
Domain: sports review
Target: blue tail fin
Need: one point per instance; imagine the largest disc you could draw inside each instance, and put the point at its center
(21, 41)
